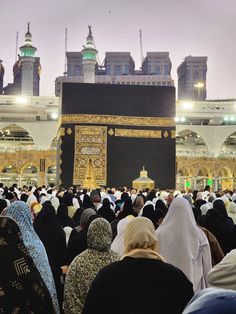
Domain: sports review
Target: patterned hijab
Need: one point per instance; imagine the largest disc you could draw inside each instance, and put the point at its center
(22, 289)
(99, 235)
(21, 213)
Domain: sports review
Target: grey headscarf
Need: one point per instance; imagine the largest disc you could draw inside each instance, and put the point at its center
(85, 218)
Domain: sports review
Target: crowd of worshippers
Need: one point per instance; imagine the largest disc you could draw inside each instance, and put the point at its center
(110, 251)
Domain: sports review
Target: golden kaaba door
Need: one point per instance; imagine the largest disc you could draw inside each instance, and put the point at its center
(90, 146)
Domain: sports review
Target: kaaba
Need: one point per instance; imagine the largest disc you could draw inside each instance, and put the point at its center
(109, 132)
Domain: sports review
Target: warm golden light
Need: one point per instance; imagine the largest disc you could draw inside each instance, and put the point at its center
(187, 105)
(21, 100)
(199, 85)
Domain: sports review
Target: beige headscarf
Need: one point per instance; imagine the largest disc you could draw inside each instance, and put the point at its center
(140, 240)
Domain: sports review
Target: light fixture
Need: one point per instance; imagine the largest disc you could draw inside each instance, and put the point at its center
(226, 118)
(21, 100)
(199, 85)
(177, 119)
(187, 105)
(182, 119)
(54, 115)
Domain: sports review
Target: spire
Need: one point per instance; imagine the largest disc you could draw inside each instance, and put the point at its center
(90, 30)
(89, 51)
(28, 50)
(28, 29)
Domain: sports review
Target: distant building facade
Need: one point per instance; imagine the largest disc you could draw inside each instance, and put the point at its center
(117, 68)
(192, 78)
(26, 71)
(1, 76)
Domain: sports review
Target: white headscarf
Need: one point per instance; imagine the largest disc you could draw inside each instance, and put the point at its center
(31, 199)
(205, 207)
(75, 203)
(43, 200)
(181, 240)
(147, 203)
(67, 232)
(118, 243)
(232, 211)
(55, 202)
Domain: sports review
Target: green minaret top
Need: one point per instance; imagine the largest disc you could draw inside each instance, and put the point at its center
(89, 51)
(28, 50)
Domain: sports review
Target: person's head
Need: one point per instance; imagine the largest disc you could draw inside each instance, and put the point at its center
(180, 213)
(219, 207)
(195, 194)
(149, 212)
(99, 236)
(35, 208)
(128, 205)
(138, 203)
(188, 198)
(10, 232)
(62, 210)
(207, 188)
(124, 196)
(231, 208)
(67, 199)
(211, 199)
(140, 235)
(199, 203)
(21, 213)
(86, 214)
(47, 211)
(51, 185)
(106, 203)
(85, 191)
(9, 196)
(87, 202)
(212, 301)
(24, 197)
(151, 195)
(96, 200)
(118, 243)
(204, 208)
(3, 205)
(161, 206)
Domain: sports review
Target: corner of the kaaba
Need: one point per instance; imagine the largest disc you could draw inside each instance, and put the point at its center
(117, 129)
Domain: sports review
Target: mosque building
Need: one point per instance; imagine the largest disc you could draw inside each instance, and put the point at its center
(205, 129)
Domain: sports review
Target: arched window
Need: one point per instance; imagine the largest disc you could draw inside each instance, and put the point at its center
(195, 75)
(14, 137)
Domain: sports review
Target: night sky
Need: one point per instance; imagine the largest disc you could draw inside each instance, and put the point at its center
(182, 27)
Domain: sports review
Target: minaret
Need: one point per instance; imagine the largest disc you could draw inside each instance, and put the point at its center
(27, 60)
(89, 59)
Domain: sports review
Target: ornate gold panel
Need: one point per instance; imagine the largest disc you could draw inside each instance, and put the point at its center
(138, 133)
(117, 120)
(90, 144)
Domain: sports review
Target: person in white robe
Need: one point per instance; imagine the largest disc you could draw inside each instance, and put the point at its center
(223, 275)
(118, 243)
(183, 244)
